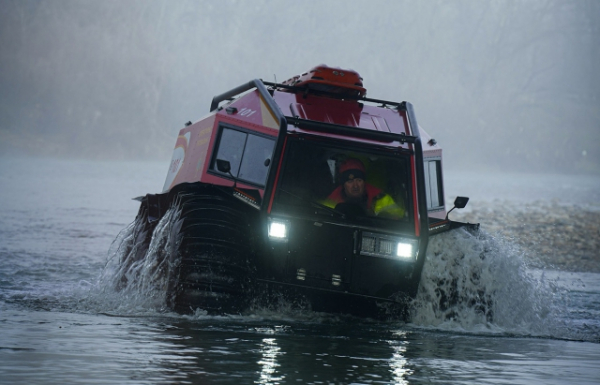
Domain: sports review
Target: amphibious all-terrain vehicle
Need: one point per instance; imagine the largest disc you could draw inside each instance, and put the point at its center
(305, 187)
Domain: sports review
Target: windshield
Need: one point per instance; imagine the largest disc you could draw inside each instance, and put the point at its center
(358, 186)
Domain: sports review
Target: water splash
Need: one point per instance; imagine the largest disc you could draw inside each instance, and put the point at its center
(137, 275)
(473, 283)
(480, 283)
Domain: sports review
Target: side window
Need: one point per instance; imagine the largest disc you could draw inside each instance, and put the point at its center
(433, 184)
(247, 154)
(258, 150)
(231, 148)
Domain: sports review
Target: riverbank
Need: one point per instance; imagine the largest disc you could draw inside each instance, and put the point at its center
(551, 235)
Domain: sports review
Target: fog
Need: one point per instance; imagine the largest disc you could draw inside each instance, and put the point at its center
(501, 85)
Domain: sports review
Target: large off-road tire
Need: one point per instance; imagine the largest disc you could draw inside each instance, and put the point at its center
(214, 248)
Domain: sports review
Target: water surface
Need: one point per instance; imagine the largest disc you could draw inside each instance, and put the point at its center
(483, 314)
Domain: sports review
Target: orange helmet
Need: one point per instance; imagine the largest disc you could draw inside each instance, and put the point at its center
(350, 169)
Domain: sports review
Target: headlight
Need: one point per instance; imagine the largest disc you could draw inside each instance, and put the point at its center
(380, 245)
(278, 230)
(404, 250)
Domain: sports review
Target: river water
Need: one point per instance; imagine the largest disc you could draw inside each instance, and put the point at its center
(483, 313)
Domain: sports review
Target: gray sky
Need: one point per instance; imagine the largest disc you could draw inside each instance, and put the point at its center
(501, 85)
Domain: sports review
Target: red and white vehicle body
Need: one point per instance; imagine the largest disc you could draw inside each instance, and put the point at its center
(276, 150)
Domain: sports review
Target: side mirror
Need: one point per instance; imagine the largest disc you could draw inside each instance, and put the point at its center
(459, 203)
(224, 166)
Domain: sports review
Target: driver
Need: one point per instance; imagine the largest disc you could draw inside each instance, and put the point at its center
(367, 198)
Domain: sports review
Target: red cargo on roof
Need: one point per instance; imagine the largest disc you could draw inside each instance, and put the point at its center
(330, 79)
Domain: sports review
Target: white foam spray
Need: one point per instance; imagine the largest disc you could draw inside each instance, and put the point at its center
(480, 283)
(134, 282)
(473, 283)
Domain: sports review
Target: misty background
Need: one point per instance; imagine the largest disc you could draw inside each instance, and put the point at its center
(501, 85)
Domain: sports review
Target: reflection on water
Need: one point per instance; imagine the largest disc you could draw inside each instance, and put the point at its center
(260, 352)
(268, 362)
(63, 347)
(326, 357)
(398, 363)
